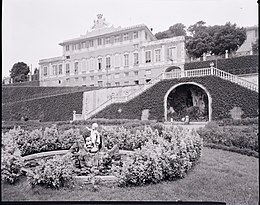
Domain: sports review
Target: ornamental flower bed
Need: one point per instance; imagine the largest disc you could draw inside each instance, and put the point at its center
(166, 154)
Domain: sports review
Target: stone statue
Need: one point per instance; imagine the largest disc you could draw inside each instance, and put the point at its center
(91, 151)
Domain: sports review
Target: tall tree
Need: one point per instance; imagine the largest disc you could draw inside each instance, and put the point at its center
(216, 39)
(19, 72)
(228, 37)
(177, 29)
(197, 27)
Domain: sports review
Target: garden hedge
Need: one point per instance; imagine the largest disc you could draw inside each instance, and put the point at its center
(55, 108)
(237, 66)
(225, 96)
(13, 94)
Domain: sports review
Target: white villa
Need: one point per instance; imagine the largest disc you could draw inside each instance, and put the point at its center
(108, 56)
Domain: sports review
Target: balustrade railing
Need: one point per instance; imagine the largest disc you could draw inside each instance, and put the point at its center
(173, 75)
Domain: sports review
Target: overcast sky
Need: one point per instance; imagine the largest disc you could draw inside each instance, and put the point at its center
(32, 29)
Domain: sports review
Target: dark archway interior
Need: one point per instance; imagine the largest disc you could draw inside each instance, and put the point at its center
(172, 68)
(188, 100)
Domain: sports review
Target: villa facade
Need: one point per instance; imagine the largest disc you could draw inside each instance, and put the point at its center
(108, 56)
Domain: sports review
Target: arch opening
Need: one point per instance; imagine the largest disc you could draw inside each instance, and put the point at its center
(172, 69)
(190, 99)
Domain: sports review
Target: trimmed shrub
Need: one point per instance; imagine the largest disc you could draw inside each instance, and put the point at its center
(53, 173)
(11, 160)
(127, 138)
(241, 137)
(244, 121)
(39, 140)
(53, 108)
(237, 66)
(161, 158)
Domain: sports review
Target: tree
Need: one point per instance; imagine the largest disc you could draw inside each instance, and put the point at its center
(216, 39)
(197, 27)
(177, 29)
(228, 37)
(19, 72)
(255, 47)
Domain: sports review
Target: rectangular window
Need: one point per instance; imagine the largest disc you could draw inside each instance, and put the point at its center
(157, 55)
(148, 72)
(107, 40)
(76, 79)
(108, 65)
(116, 39)
(83, 64)
(117, 75)
(92, 78)
(67, 69)
(92, 64)
(84, 78)
(109, 76)
(108, 84)
(60, 69)
(126, 82)
(91, 43)
(100, 41)
(45, 71)
(136, 60)
(67, 47)
(55, 70)
(125, 36)
(76, 68)
(148, 56)
(99, 63)
(126, 74)
(117, 83)
(67, 79)
(126, 60)
(100, 83)
(136, 73)
(100, 77)
(83, 44)
(172, 53)
(135, 35)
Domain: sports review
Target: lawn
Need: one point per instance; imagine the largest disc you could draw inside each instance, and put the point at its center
(219, 176)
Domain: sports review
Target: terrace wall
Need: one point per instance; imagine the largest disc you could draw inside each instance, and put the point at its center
(225, 96)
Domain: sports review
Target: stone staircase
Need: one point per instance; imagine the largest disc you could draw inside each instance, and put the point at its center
(172, 75)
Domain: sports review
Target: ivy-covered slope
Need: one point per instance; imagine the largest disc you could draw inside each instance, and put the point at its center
(55, 108)
(12, 94)
(237, 66)
(225, 96)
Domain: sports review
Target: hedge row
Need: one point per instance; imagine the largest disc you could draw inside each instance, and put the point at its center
(13, 94)
(225, 96)
(166, 154)
(32, 83)
(55, 108)
(241, 139)
(237, 66)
